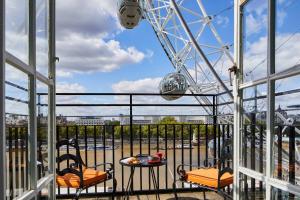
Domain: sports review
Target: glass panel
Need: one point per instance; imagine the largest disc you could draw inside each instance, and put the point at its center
(42, 129)
(16, 28)
(287, 130)
(287, 34)
(17, 154)
(44, 193)
(255, 40)
(251, 188)
(278, 194)
(42, 36)
(254, 125)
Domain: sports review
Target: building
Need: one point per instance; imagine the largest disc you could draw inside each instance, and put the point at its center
(89, 121)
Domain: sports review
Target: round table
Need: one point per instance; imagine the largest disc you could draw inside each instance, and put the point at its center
(143, 164)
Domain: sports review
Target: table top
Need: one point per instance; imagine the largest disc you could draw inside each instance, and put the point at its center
(143, 162)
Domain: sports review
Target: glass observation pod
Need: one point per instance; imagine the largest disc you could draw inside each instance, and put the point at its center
(28, 59)
(266, 86)
(129, 13)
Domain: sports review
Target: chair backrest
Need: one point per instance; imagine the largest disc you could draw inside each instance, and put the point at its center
(226, 155)
(75, 161)
(226, 150)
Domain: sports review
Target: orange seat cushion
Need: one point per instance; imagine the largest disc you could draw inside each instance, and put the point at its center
(90, 177)
(209, 177)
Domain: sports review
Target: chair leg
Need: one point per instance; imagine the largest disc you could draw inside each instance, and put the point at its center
(78, 192)
(174, 190)
(204, 195)
(114, 188)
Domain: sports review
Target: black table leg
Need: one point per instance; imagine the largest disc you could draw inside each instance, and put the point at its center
(128, 188)
(155, 183)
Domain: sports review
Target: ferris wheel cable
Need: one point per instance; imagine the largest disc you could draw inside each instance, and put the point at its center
(276, 50)
(190, 11)
(223, 10)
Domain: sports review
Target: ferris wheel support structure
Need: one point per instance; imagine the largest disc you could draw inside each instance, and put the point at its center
(197, 47)
(182, 33)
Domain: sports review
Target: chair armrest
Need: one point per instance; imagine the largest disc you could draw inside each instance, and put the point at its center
(181, 171)
(109, 170)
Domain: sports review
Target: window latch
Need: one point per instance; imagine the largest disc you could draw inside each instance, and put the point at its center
(231, 70)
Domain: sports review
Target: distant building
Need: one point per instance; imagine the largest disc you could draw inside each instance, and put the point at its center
(89, 121)
(61, 120)
(182, 118)
(16, 120)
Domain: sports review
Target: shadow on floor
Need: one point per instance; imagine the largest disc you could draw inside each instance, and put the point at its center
(184, 198)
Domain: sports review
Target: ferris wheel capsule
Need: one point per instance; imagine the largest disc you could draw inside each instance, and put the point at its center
(129, 13)
(175, 84)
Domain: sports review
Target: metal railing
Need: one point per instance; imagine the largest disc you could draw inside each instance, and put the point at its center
(180, 143)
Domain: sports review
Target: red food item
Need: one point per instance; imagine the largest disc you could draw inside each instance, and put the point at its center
(159, 154)
(154, 159)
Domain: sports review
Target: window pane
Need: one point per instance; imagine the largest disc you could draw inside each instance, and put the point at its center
(253, 129)
(42, 129)
(278, 194)
(17, 28)
(287, 34)
(255, 40)
(287, 130)
(42, 36)
(17, 154)
(251, 188)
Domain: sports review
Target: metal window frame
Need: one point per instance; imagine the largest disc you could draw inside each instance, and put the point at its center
(2, 103)
(239, 86)
(30, 69)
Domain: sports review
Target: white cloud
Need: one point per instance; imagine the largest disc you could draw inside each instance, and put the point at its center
(82, 55)
(222, 21)
(88, 18)
(149, 85)
(62, 87)
(287, 54)
(83, 46)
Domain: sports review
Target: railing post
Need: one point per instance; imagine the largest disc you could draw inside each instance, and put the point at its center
(131, 137)
(292, 158)
(252, 151)
(215, 128)
(131, 128)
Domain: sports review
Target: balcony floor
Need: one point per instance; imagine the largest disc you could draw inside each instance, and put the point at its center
(182, 196)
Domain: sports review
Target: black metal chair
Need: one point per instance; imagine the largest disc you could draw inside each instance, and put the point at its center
(214, 176)
(77, 175)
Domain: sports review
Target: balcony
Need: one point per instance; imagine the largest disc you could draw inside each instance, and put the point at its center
(182, 142)
(245, 103)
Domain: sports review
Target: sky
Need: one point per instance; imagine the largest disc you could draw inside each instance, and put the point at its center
(98, 55)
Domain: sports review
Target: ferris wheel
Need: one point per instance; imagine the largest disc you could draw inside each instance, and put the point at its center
(190, 40)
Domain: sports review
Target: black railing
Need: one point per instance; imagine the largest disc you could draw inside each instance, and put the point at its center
(106, 143)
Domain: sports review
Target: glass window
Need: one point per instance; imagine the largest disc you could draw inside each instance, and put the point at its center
(287, 34)
(287, 130)
(255, 39)
(17, 28)
(254, 126)
(251, 188)
(17, 152)
(42, 36)
(42, 129)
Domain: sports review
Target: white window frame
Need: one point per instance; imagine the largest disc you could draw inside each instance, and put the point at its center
(30, 69)
(272, 76)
